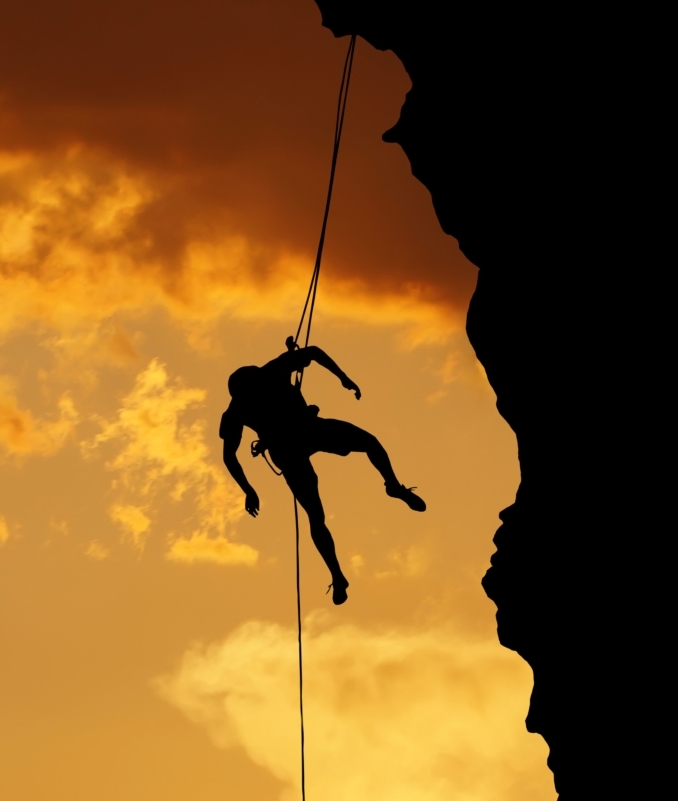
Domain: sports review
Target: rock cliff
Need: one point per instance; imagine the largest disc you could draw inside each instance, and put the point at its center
(539, 133)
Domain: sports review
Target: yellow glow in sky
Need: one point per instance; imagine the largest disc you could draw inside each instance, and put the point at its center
(147, 622)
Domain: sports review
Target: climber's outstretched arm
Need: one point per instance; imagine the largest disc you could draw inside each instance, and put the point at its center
(231, 433)
(318, 355)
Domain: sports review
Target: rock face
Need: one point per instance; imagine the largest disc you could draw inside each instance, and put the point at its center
(539, 133)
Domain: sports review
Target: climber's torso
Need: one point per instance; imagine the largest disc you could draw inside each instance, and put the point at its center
(274, 407)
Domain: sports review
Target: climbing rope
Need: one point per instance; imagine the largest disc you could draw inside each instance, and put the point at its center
(338, 128)
(309, 307)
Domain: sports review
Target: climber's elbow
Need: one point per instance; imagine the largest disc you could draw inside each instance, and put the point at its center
(316, 354)
(311, 353)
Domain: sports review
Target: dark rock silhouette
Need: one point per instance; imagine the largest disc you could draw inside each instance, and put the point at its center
(539, 132)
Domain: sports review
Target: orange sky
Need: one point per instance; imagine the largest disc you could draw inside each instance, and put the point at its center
(162, 173)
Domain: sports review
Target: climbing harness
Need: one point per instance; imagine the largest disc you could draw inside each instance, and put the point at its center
(258, 447)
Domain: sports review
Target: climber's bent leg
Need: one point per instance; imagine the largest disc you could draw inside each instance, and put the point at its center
(303, 481)
(337, 436)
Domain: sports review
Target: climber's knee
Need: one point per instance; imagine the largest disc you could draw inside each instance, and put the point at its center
(371, 443)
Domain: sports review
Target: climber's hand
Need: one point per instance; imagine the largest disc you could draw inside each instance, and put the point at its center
(348, 384)
(252, 503)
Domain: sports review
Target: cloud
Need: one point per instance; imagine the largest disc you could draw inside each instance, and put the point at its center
(82, 238)
(80, 351)
(4, 531)
(22, 434)
(155, 453)
(218, 550)
(95, 550)
(459, 364)
(133, 522)
(413, 716)
(153, 438)
(66, 244)
(196, 188)
(357, 563)
(449, 372)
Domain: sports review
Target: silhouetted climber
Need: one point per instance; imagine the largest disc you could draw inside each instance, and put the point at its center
(265, 400)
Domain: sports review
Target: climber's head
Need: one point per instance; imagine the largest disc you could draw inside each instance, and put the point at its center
(243, 381)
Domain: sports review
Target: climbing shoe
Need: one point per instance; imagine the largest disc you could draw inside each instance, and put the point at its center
(405, 494)
(339, 594)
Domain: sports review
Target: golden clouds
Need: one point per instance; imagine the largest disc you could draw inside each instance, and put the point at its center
(66, 248)
(21, 433)
(162, 184)
(84, 236)
(413, 716)
(156, 454)
(132, 520)
(218, 550)
(148, 425)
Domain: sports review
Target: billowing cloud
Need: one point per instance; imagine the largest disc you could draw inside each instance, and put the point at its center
(82, 239)
(407, 715)
(196, 188)
(156, 453)
(65, 242)
(231, 108)
(21, 433)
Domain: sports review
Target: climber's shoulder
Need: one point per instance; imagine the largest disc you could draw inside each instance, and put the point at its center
(288, 362)
(231, 420)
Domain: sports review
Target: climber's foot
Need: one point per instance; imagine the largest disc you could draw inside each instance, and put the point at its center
(406, 495)
(339, 586)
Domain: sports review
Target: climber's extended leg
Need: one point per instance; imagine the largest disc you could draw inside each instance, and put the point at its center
(303, 481)
(337, 436)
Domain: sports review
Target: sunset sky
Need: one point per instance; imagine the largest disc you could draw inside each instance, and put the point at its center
(163, 167)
